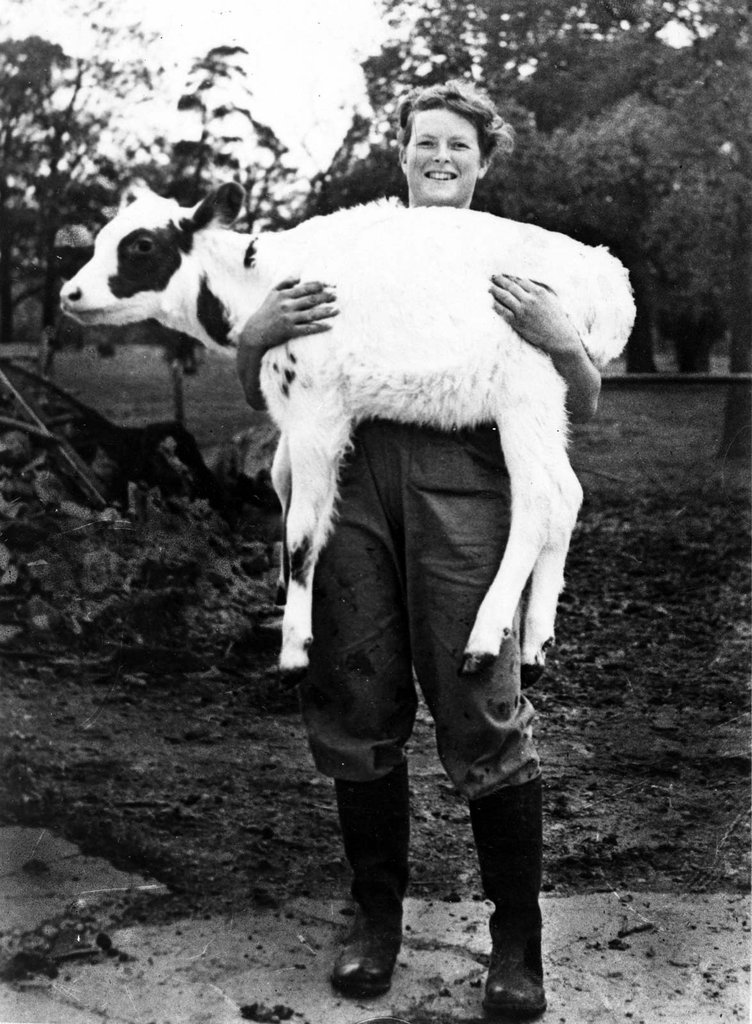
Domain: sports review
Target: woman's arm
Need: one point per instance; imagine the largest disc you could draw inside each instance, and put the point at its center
(538, 317)
(291, 310)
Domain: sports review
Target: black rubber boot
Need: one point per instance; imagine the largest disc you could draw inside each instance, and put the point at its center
(375, 822)
(508, 830)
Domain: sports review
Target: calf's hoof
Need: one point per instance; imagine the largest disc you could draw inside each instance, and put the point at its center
(530, 674)
(534, 666)
(475, 661)
(293, 660)
(472, 664)
(290, 677)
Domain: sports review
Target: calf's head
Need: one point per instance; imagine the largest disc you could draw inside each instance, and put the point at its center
(142, 265)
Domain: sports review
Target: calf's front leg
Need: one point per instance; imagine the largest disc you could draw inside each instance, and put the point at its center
(314, 460)
(282, 483)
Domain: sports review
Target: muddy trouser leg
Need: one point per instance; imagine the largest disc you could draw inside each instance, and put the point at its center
(457, 512)
(358, 698)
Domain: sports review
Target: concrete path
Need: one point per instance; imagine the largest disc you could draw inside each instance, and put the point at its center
(641, 959)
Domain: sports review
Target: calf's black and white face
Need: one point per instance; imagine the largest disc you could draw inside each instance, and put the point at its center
(140, 267)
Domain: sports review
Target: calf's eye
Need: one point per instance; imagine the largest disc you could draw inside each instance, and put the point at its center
(143, 246)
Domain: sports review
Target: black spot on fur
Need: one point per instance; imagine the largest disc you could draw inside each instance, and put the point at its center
(212, 315)
(249, 260)
(300, 561)
(289, 376)
(291, 357)
(286, 389)
(203, 215)
(147, 260)
(186, 230)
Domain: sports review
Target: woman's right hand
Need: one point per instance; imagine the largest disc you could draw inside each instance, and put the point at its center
(291, 310)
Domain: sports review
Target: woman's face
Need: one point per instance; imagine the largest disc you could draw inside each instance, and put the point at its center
(442, 160)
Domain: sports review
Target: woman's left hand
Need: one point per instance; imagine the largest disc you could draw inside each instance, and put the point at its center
(535, 313)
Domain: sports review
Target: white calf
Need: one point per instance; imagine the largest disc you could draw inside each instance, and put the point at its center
(417, 341)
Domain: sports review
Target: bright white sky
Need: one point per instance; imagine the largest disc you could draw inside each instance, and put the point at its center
(304, 56)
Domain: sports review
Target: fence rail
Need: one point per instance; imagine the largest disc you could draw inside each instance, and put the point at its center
(638, 380)
(616, 382)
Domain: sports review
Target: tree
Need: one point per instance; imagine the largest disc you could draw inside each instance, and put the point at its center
(726, 124)
(58, 138)
(602, 182)
(554, 57)
(227, 141)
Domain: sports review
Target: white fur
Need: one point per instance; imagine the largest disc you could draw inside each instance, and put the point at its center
(417, 341)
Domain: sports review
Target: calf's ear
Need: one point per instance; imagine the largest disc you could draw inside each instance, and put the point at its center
(220, 208)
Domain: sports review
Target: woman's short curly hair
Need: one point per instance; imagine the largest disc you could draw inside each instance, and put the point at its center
(494, 134)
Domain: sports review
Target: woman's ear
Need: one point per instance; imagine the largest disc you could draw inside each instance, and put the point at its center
(483, 169)
(403, 159)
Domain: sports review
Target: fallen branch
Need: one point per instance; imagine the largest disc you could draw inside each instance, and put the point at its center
(69, 456)
(48, 384)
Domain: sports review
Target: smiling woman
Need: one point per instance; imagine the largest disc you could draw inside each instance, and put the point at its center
(442, 161)
(447, 140)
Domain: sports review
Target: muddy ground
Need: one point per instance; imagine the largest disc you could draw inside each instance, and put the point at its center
(157, 733)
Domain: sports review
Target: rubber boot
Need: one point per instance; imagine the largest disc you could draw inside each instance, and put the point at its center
(508, 830)
(375, 822)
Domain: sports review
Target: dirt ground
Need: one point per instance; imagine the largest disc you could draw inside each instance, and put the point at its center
(162, 738)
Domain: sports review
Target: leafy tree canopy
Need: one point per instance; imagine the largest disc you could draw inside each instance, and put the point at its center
(62, 145)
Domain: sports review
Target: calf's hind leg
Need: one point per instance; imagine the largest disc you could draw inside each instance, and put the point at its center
(495, 619)
(532, 441)
(547, 580)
